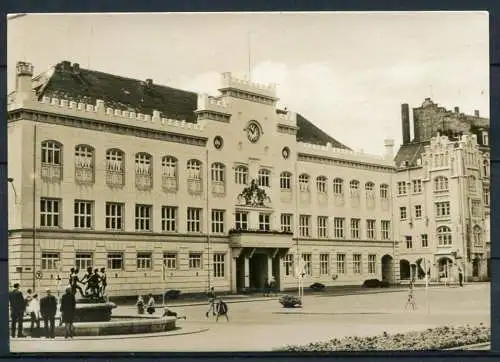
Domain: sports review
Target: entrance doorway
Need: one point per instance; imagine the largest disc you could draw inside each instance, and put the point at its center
(404, 269)
(258, 271)
(387, 268)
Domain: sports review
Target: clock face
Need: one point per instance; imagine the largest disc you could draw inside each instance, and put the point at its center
(253, 132)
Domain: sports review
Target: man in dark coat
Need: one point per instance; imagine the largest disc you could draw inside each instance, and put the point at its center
(17, 308)
(48, 309)
(68, 309)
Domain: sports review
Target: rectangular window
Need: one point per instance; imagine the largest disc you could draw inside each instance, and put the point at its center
(143, 217)
(355, 223)
(264, 222)
(425, 241)
(288, 264)
(322, 226)
(83, 260)
(402, 213)
(370, 229)
(417, 186)
(114, 216)
(170, 260)
(241, 175)
(324, 264)
(386, 229)
(372, 260)
(219, 265)
(476, 208)
(341, 264)
(194, 260)
(304, 225)
(286, 222)
(307, 257)
(193, 220)
(144, 260)
(50, 212)
(50, 261)
(486, 197)
(169, 218)
(409, 242)
(115, 261)
(418, 211)
(83, 214)
(338, 227)
(356, 263)
(241, 220)
(401, 187)
(442, 209)
(218, 221)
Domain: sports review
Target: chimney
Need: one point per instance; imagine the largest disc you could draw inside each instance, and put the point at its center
(457, 110)
(405, 119)
(476, 113)
(24, 87)
(65, 66)
(389, 148)
(149, 82)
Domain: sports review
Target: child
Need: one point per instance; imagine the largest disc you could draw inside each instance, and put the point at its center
(34, 313)
(140, 305)
(411, 298)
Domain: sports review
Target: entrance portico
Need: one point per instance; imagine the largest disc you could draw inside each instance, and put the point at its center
(256, 256)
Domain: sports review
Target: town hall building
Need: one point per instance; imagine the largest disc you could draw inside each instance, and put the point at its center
(169, 189)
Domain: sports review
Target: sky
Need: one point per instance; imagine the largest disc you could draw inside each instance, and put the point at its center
(348, 73)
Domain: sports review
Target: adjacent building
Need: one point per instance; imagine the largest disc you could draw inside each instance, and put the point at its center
(170, 189)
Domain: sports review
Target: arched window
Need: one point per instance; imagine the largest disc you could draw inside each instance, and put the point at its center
(218, 170)
(369, 186)
(169, 166)
(194, 169)
(476, 231)
(285, 180)
(84, 164)
(338, 186)
(384, 191)
(444, 235)
(52, 153)
(440, 184)
(84, 156)
(143, 163)
(304, 182)
(241, 175)
(321, 184)
(264, 177)
(115, 160)
(472, 183)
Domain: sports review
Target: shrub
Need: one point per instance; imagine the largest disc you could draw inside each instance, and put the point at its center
(172, 294)
(290, 301)
(317, 287)
(430, 339)
(371, 283)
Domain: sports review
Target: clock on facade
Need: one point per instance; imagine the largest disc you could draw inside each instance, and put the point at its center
(253, 132)
(218, 142)
(285, 152)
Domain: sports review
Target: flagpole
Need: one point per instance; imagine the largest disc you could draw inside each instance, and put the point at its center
(164, 269)
(427, 287)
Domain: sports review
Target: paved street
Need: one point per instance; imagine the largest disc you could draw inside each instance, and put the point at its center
(264, 325)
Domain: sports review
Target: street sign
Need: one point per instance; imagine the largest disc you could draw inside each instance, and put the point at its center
(38, 274)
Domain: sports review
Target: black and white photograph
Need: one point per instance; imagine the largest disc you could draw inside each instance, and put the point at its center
(245, 182)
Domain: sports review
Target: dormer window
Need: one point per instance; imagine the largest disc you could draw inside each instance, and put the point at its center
(485, 138)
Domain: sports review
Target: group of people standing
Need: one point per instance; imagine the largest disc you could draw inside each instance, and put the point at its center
(45, 308)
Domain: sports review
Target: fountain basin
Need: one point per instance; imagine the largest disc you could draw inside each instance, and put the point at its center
(117, 326)
(94, 312)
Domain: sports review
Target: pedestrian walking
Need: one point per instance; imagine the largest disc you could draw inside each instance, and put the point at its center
(104, 282)
(411, 298)
(272, 284)
(151, 304)
(266, 287)
(68, 310)
(222, 309)
(34, 313)
(460, 277)
(48, 309)
(17, 308)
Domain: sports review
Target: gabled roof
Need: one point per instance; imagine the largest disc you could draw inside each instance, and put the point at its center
(69, 81)
(410, 152)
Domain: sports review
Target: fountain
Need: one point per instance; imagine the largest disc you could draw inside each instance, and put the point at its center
(93, 314)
